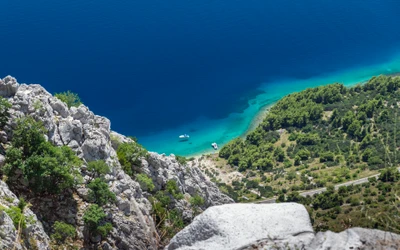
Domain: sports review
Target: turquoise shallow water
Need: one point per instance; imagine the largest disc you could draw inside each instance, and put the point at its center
(205, 131)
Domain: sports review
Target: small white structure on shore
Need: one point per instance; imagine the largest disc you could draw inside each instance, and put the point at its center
(214, 145)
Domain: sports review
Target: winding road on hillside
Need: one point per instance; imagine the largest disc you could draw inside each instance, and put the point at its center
(320, 190)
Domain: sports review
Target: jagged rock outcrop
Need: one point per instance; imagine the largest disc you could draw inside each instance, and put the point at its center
(90, 137)
(271, 226)
(34, 232)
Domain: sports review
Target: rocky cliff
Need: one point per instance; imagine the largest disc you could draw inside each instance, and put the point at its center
(89, 135)
(271, 226)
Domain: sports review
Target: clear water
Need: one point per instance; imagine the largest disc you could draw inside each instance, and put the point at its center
(159, 69)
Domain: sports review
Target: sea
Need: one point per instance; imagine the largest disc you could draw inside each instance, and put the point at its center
(159, 69)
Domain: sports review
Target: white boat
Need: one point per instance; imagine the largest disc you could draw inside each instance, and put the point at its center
(214, 145)
(184, 137)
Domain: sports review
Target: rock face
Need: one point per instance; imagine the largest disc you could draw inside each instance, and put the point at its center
(8, 234)
(271, 226)
(91, 138)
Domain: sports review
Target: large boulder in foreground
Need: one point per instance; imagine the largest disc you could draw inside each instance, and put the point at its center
(271, 226)
(238, 226)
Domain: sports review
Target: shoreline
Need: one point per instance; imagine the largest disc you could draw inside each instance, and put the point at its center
(259, 117)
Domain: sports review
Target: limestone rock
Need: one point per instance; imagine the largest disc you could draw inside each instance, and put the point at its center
(271, 226)
(237, 226)
(356, 238)
(8, 86)
(34, 230)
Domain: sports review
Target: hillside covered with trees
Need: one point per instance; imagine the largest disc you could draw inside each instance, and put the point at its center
(321, 137)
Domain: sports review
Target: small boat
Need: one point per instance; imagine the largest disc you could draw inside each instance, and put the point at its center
(184, 137)
(214, 145)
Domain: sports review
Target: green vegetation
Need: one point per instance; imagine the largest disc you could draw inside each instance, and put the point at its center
(129, 155)
(146, 183)
(69, 98)
(4, 111)
(16, 214)
(98, 168)
(94, 219)
(172, 188)
(320, 137)
(36, 162)
(196, 200)
(169, 220)
(370, 205)
(100, 193)
(181, 160)
(63, 232)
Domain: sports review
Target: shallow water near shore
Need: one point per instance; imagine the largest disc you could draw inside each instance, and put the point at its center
(205, 131)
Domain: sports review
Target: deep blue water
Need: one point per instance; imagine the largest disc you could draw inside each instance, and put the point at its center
(156, 65)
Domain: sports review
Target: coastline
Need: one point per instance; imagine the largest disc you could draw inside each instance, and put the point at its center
(260, 115)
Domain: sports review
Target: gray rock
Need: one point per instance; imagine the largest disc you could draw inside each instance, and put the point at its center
(238, 226)
(356, 238)
(271, 226)
(34, 230)
(8, 86)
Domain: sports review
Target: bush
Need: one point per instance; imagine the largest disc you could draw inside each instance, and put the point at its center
(196, 201)
(69, 98)
(129, 154)
(146, 183)
(100, 193)
(181, 160)
(63, 231)
(16, 215)
(4, 111)
(173, 189)
(94, 220)
(98, 168)
(44, 167)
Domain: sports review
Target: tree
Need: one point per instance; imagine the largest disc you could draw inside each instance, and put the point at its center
(69, 98)
(63, 231)
(389, 175)
(44, 167)
(129, 155)
(28, 135)
(100, 193)
(94, 220)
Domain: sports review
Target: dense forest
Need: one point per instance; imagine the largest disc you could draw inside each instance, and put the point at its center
(318, 138)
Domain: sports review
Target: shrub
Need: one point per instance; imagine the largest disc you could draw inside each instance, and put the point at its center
(100, 193)
(16, 213)
(69, 98)
(63, 231)
(172, 188)
(49, 169)
(146, 183)
(98, 168)
(94, 220)
(129, 154)
(181, 160)
(196, 201)
(4, 111)
(28, 135)
(39, 163)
